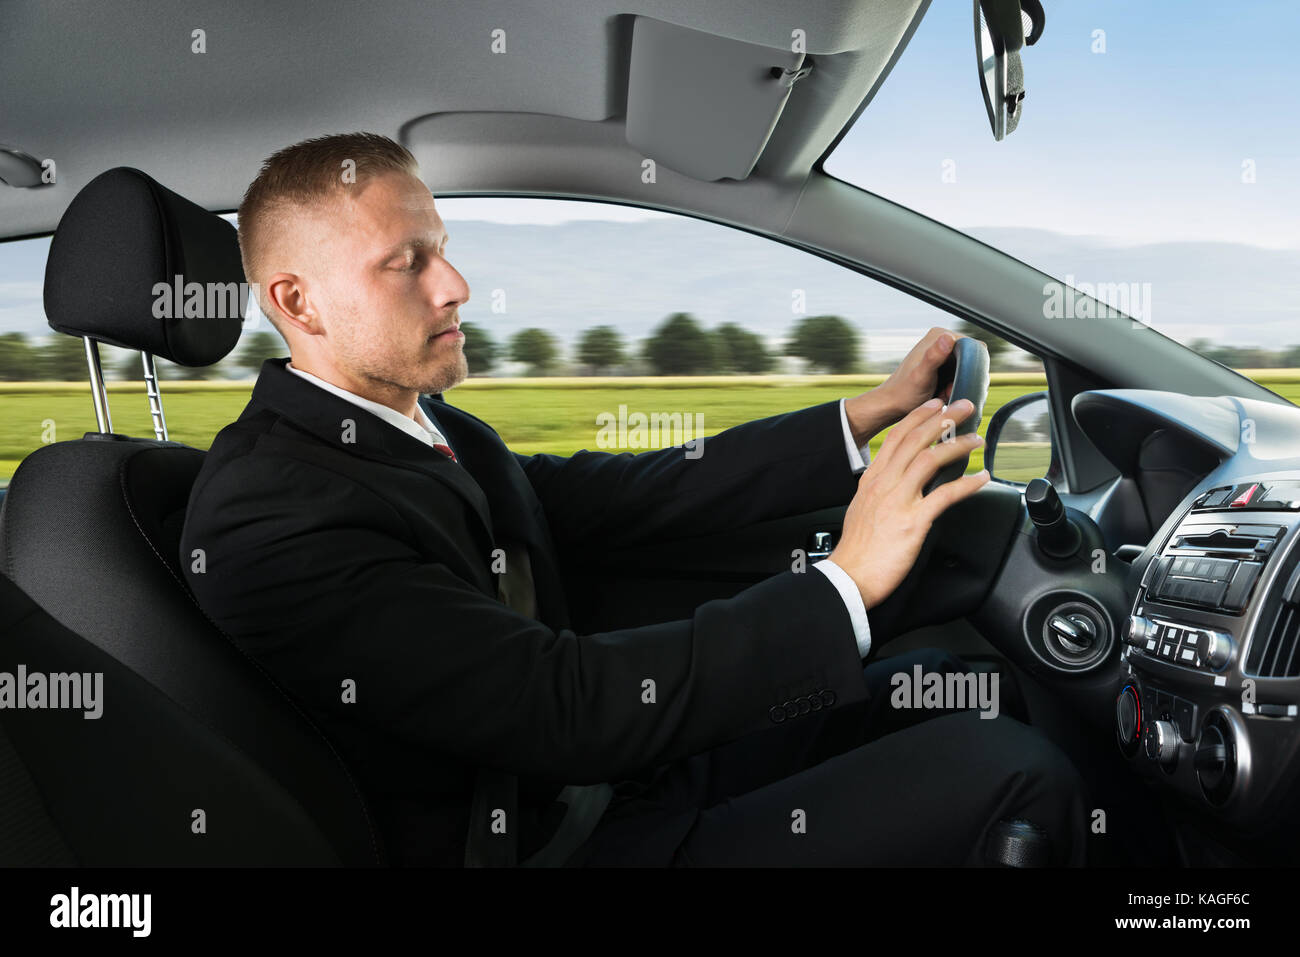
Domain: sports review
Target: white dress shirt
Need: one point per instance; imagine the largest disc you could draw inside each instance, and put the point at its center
(424, 430)
(858, 459)
(420, 426)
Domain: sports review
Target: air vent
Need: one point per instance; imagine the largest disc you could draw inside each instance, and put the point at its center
(1276, 656)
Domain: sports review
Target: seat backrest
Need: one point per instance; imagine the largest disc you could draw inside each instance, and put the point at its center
(90, 532)
(149, 781)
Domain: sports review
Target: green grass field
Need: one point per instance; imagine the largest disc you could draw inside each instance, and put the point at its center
(532, 415)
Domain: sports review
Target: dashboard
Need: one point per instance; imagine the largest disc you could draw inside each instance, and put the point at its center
(1207, 702)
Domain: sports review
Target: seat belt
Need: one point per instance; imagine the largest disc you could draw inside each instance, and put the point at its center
(585, 804)
(493, 838)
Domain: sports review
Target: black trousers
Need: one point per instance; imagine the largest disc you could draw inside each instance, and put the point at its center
(863, 785)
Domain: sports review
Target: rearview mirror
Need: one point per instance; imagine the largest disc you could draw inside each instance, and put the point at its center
(1002, 27)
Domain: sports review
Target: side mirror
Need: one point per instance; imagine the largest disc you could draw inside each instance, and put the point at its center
(1018, 444)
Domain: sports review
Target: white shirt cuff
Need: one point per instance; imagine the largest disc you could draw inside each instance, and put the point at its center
(858, 457)
(852, 601)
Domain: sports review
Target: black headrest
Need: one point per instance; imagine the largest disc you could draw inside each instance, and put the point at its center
(120, 237)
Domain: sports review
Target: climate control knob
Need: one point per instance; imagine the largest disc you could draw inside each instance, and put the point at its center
(1215, 648)
(1162, 743)
(1140, 629)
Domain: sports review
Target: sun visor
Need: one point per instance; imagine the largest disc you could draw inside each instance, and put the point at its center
(702, 104)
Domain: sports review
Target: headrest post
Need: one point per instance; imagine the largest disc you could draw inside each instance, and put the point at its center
(155, 397)
(98, 393)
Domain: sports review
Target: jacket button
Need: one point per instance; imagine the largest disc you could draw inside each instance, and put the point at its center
(776, 713)
(791, 709)
(803, 704)
(828, 697)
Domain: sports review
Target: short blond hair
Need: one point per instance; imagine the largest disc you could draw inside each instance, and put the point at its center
(302, 176)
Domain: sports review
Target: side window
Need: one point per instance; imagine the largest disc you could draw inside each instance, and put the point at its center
(587, 321)
(589, 325)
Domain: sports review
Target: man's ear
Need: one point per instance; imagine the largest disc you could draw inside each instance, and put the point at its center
(286, 295)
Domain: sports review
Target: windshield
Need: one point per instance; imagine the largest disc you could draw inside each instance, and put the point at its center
(1158, 152)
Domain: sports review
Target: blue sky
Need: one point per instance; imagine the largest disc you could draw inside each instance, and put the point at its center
(1144, 142)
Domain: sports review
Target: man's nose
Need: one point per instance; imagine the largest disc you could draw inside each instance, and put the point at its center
(449, 286)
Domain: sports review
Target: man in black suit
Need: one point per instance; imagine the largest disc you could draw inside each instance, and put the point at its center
(350, 531)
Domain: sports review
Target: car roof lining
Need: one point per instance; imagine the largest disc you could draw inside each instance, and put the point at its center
(94, 85)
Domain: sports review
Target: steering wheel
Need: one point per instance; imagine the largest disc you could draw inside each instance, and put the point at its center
(967, 369)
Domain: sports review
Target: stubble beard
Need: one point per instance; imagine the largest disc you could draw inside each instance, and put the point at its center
(448, 376)
(451, 372)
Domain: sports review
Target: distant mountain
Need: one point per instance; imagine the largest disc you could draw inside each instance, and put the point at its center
(570, 276)
(1226, 292)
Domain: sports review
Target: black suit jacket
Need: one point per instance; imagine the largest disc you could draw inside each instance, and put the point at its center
(343, 553)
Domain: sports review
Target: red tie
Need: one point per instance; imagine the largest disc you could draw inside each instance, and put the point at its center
(445, 450)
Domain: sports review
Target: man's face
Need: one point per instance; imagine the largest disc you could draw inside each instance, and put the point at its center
(386, 298)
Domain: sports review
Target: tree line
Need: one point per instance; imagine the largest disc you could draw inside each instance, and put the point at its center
(62, 358)
(679, 345)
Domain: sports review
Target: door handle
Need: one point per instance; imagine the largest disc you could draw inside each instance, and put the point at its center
(820, 545)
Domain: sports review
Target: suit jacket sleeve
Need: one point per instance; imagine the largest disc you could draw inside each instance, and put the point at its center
(322, 584)
(773, 467)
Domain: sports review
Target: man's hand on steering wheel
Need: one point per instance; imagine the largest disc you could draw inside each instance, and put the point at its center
(913, 382)
(889, 517)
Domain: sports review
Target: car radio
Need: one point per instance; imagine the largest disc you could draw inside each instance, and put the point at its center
(1215, 623)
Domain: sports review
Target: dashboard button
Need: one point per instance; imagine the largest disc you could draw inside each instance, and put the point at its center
(1185, 718)
(1161, 567)
(1149, 703)
(1238, 590)
(1214, 592)
(1244, 493)
(1279, 495)
(1243, 496)
(1218, 496)
(1140, 629)
(1128, 720)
